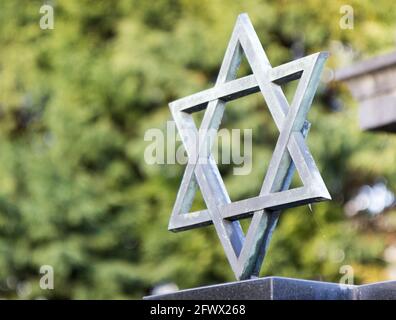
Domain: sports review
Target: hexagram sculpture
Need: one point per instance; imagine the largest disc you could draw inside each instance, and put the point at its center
(246, 253)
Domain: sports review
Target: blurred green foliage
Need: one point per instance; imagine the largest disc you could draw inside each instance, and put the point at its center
(76, 101)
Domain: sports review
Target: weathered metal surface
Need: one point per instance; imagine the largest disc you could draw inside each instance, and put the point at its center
(246, 253)
(373, 85)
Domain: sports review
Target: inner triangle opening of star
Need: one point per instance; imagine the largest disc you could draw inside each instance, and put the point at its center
(245, 253)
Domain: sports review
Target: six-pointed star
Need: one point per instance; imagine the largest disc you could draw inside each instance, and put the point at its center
(246, 254)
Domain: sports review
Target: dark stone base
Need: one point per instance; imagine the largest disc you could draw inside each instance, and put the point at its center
(277, 288)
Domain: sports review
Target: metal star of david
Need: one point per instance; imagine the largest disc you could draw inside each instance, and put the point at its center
(246, 253)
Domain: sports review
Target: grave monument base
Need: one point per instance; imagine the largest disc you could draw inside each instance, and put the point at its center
(279, 288)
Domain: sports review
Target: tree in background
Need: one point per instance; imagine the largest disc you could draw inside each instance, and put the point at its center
(76, 101)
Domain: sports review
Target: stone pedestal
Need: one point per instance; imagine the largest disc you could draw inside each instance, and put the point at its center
(278, 288)
(373, 85)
